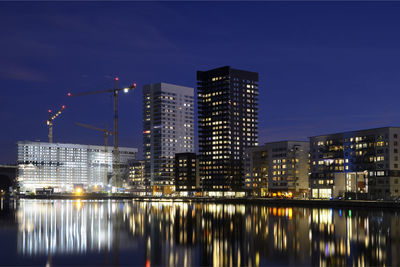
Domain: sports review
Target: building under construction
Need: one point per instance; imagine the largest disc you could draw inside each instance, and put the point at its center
(63, 167)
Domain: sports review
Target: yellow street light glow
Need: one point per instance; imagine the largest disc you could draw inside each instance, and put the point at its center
(78, 204)
(78, 191)
(126, 90)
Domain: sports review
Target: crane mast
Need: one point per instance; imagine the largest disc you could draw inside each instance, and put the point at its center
(107, 133)
(116, 156)
(50, 122)
(116, 149)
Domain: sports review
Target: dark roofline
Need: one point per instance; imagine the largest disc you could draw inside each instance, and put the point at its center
(227, 68)
(286, 141)
(168, 83)
(223, 67)
(267, 143)
(363, 130)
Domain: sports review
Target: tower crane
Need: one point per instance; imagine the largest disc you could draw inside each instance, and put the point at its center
(105, 131)
(106, 134)
(115, 92)
(50, 121)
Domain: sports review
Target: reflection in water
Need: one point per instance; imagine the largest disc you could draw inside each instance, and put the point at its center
(64, 227)
(177, 233)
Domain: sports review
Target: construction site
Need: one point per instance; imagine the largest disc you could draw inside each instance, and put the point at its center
(57, 167)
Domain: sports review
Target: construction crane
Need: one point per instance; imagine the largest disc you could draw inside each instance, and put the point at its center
(50, 121)
(107, 133)
(115, 91)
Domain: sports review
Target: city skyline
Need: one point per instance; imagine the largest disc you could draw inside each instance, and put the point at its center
(199, 133)
(327, 67)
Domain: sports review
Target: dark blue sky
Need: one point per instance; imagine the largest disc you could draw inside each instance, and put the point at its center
(324, 67)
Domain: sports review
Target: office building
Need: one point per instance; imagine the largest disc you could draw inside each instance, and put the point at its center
(365, 162)
(228, 123)
(187, 179)
(168, 128)
(64, 166)
(278, 169)
(138, 184)
(136, 174)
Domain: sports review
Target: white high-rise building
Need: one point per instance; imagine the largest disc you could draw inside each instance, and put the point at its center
(168, 128)
(63, 166)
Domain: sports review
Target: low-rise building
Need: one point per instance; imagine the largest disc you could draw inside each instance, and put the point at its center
(138, 184)
(363, 162)
(63, 167)
(136, 174)
(256, 170)
(279, 168)
(187, 179)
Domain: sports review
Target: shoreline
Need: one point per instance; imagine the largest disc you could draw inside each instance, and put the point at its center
(244, 201)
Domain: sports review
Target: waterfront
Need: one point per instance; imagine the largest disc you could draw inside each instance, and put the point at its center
(131, 232)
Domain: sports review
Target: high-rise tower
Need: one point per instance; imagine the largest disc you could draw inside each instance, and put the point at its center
(168, 128)
(228, 123)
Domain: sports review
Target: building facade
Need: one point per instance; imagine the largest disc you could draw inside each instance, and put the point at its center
(168, 128)
(63, 166)
(364, 162)
(138, 184)
(278, 169)
(256, 170)
(186, 173)
(228, 123)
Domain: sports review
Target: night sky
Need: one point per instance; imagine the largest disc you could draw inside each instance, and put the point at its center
(323, 67)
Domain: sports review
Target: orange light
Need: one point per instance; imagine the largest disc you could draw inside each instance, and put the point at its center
(290, 213)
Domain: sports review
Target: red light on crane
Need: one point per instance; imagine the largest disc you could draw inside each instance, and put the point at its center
(49, 110)
(69, 94)
(134, 85)
(63, 106)
(116, 78)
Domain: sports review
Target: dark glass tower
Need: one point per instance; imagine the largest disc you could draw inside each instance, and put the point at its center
(228, 123)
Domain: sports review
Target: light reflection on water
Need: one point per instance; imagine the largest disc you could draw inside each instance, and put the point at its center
(187, 234)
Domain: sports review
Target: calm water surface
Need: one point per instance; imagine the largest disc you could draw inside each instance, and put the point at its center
(73, 232)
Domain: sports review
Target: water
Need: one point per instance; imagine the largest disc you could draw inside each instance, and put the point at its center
(98, 233)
